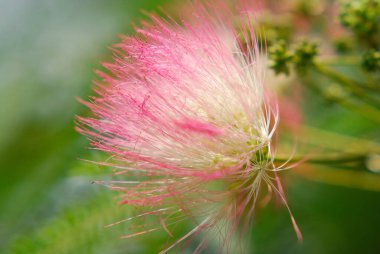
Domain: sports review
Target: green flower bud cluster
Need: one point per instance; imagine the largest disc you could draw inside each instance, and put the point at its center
(280, 57)
(371, 61)
(302, 56)
(362, 17)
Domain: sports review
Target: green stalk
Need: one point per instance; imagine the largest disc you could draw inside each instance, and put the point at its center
(340, 60)
(363, 108)
(325, 160)
(355, 87)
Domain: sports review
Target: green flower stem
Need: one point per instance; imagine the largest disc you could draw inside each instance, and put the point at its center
(363, 108)
(325, 160)
(354, 86)
(349, 178)
(338, 142)
(340, 60)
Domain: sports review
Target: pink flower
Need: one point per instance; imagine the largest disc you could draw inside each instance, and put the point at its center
(182, 113)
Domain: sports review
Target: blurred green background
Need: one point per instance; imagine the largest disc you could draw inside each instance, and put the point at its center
(49, 50)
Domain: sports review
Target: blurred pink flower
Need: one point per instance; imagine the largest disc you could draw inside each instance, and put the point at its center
(182, 113)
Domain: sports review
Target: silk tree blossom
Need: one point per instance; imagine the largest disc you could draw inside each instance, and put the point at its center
(188, 124)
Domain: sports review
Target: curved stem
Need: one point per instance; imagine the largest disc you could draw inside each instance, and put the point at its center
(325, 160)
(363, 108)
(354, 85)
(340, 60)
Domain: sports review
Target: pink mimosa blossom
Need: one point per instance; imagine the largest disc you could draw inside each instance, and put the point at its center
(183, 115)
